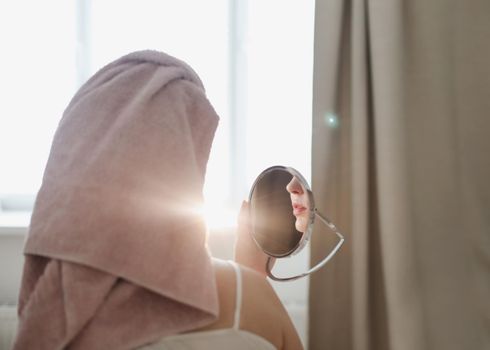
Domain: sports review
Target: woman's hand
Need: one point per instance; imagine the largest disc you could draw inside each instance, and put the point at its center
(247, 252)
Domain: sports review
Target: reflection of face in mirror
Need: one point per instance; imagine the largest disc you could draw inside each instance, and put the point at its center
(273, 221)
(282, 212)
(300, 204)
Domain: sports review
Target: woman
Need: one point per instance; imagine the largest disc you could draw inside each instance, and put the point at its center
(116, 257)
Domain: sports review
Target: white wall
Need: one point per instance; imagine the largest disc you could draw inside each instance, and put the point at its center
(11, 262)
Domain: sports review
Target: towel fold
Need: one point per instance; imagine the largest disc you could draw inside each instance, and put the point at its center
(115, 255)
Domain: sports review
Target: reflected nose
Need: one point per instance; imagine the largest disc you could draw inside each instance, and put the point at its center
(294, 186)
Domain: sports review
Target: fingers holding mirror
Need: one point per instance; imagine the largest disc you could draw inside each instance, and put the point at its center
(247, 252)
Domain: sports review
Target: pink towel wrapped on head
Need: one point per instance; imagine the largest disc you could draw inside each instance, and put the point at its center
(116, 256)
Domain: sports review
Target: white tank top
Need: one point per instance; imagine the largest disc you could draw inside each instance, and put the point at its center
(227, 338)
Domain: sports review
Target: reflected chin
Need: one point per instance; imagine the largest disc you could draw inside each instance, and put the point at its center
(301, 225)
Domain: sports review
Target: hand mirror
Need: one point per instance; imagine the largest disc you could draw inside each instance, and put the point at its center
(282, 214)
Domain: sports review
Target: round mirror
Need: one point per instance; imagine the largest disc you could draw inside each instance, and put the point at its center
(282, 212)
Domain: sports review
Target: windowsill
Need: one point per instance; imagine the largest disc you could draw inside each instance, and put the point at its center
(14, 223)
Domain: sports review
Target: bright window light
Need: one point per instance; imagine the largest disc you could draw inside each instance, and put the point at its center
(254, 57)
(280, 79)
(37, 80)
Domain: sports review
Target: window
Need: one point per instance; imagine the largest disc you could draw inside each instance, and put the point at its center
(254, 57)
(37, 80)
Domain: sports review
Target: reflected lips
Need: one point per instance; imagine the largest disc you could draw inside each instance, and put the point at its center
(298, 209)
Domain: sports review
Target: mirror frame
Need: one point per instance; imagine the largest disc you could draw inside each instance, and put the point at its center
(305, 237)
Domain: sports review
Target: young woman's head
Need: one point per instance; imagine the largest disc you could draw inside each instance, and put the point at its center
(115, 211)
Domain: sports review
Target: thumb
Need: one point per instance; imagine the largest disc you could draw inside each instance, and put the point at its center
(243, 220)
(243, 214)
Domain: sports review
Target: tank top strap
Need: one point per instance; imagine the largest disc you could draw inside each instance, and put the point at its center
(238, 299)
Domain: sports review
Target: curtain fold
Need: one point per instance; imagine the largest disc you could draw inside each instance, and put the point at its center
(401, 143)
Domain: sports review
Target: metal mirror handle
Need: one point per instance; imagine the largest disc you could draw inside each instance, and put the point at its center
(317, 266)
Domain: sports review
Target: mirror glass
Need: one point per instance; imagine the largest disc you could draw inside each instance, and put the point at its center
(281, 211)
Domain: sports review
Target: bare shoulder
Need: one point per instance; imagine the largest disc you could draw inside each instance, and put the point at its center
(253, 282)
(264, 312)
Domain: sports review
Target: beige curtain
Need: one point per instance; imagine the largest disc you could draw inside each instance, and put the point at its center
(401, 163)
